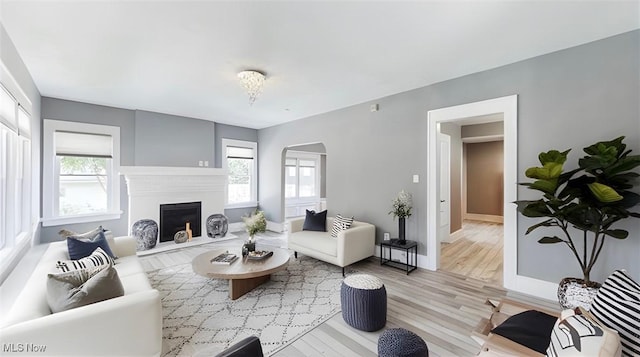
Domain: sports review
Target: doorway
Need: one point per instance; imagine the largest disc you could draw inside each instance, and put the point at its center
(473, 245)
(475, 113)
(304, 168)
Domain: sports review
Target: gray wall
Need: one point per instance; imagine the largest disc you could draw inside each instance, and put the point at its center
(174, 141)
(455, 174)
(317, 147)
(224, 131)
(569, 98)
(67, 110)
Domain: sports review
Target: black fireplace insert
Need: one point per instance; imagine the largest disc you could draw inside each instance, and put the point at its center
(174, 218)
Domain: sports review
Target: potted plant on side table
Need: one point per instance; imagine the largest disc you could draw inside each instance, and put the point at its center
(402, 205)
(254, 223)
(588, 201)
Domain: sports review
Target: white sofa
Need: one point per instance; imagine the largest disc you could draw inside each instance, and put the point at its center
(351, 245)
(129, 325)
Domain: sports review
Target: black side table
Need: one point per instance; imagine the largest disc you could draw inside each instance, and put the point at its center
(409, 246)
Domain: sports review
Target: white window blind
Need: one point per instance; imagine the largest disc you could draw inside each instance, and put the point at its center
(239, 153)
(83, 144)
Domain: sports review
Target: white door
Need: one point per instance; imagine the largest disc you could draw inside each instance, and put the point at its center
(444, 192)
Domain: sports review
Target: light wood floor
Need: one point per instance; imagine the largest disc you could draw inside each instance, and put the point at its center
(441, 307)
(477, 254)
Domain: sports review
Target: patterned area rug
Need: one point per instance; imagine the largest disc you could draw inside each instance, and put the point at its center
(200, 319)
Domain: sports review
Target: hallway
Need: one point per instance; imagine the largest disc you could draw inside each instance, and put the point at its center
(477, 253)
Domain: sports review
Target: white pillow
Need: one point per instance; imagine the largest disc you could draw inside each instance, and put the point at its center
(97, 259)
(579, 335)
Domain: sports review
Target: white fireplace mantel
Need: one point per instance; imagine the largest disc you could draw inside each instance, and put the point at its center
(149, 187)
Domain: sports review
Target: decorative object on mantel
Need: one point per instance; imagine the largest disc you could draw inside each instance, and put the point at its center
(181, 237)
(217, 225)
(589, 199)
(146, 233)
(254, 223)
(189, 231)
(402, 205)
(252, 81)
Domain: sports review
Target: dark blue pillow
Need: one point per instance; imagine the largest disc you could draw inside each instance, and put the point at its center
(79, 249)
(315, 221)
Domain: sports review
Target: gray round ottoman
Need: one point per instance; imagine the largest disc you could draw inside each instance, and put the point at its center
(364, 302)
(398, 342)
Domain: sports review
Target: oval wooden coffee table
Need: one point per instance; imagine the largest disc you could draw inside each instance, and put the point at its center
(243, 274)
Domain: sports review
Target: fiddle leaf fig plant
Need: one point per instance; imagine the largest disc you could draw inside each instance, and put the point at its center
(590, 199)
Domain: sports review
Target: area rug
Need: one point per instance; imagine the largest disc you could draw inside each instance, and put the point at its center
(199, 318)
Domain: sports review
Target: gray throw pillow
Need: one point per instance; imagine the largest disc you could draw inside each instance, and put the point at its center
(82, 287)
(64, 233)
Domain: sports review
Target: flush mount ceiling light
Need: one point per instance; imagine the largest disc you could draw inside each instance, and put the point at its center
(252, 81)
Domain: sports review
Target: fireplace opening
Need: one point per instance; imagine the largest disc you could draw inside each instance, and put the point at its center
(174, 218)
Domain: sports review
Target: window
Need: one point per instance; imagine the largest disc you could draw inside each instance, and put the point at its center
(240, 159)
(81, 164)
(302, 183)
(302, 177)
(15, 173)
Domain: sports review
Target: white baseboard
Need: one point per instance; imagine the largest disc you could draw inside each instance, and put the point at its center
(534, 287)
(484, 217)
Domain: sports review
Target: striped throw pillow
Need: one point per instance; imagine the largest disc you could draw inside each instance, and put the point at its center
(340, 224)
(97, 259)
(617, 306)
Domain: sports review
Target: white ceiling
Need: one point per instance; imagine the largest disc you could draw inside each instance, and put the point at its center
(182, 57)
